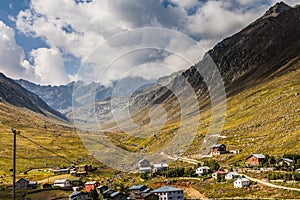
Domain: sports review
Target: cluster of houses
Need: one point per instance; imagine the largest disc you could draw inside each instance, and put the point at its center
(142, 192)
(239, 180)
(146, 167)
(137, 192)
(75, 170)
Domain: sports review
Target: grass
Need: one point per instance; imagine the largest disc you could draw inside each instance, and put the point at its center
(264, 119)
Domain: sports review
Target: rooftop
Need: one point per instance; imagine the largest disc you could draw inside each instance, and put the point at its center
(204, 167)
(75, 193)
(242, 179)
(136, 187)
(216, 146)
(91, 183)
(287, 160)
(166, 189)
(160, 165)
(261, 156)
(114, 194)
(60, 181)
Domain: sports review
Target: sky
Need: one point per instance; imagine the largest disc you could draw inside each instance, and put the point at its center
(49, 42)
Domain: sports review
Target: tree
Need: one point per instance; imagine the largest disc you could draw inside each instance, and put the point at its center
(93, 194)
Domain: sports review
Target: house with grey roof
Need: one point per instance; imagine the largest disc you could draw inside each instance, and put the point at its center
(159, 167)
(22, 184)
(241, 182)
(285, 161)
(79, 195)
(63, 183)
(232, 175)
(136, 191)
(169, 193)
(255, 160)
(202, 170)
(117, 196)
(218, 149)
(144, 166)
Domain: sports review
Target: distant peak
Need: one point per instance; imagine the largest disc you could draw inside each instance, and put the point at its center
(278, 8)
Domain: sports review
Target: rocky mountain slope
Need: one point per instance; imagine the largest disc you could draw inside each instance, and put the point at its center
(60, 97)
(252, 63)
(244, 59)
(14, 94)
(256, 54)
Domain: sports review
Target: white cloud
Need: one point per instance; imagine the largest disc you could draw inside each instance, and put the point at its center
(11, 55)
(78, 28)
(48, 65)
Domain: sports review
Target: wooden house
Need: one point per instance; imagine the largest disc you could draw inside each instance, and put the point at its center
(255, 160)
(218, 149)
(88, 186)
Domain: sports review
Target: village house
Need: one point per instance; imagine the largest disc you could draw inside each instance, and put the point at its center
(117, 196)
(285, 161)
(22, 184)
(100, 189)
(32, 185)
(150, 196)
(218, 174)
(241, 182)
(169, 193)
(61, 171)
(144, 166)
(255, 160)
(63, 183)
(136, 191)
(202, 170)
(218, 149)
(46, 186)
(232, 175)
(106, 194)
(159, 167)
(88, 186)
(79, 195)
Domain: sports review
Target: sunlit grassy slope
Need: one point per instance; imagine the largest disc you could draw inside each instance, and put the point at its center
(262, 119)
(60, 139)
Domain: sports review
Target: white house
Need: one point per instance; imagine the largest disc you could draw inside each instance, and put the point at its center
(241, 182)
(159, 167)
(232, 175)
(63, 183)
(202, 170)
(144, 166)
(286, 161)
(169, 193)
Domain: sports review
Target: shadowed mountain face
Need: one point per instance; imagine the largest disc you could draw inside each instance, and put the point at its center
(245, 59)
(14, 94)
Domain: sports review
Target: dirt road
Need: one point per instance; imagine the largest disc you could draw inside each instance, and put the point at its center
(270, 184)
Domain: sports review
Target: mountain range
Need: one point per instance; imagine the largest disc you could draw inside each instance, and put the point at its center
(258, 53)
(14, 94)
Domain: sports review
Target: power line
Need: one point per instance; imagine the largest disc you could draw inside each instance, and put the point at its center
(45, 148)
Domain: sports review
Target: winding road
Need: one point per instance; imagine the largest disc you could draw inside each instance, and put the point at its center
(270, 184)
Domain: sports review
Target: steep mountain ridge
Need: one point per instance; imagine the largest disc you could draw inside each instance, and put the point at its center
(244, 59)
(14, 94)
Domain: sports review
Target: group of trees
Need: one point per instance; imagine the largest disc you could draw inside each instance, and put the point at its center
(181, 171)
(284, 176)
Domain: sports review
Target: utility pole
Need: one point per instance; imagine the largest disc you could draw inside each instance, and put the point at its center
(14, 163)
